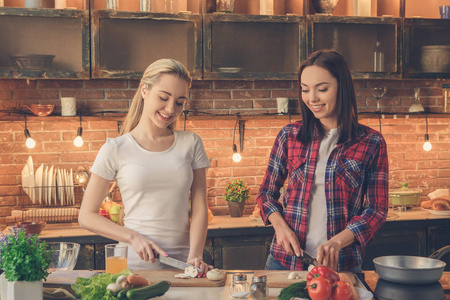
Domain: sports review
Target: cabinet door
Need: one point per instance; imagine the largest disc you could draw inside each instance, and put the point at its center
(439, 237)
(44, 43)
(398, 241)
(241, 252)
(252, 47)
(356, 38)
(124, 44)
(426, 51)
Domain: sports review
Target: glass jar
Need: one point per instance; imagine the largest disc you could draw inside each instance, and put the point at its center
(259, 289)
(239, 288)
(226, 6)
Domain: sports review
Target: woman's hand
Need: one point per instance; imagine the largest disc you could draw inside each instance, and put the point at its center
(328, 254)
(286, 238)
(146, 248)
(199, 263)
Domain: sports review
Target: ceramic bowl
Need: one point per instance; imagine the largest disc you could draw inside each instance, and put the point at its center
(64, 256)
(40, 109)
(32, 227)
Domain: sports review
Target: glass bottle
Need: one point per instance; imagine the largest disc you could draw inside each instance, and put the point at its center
(378, 58)
(259, 289)
(239, 288)
(226, 6)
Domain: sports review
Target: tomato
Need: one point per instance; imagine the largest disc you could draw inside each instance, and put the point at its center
(341, 291)
(104, 213)
(319, 288)
(324, 272)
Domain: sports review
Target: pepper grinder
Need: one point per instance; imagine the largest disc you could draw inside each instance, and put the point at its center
(259, 289)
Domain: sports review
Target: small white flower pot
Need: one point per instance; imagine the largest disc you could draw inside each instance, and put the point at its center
(19, 290)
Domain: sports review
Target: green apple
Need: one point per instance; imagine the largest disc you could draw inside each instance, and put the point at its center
(114, 213)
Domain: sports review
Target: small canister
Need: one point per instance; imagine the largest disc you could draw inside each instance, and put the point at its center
(259, 289)
(239, 288)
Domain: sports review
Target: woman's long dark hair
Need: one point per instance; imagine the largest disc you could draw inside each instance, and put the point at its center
(347, 111)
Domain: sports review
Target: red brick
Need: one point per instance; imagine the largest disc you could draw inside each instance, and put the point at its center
(266, 104)
(121, 105)
(250, 94)
(58, 84)
(230, 104)
(275, 84)
(5, 95)
(202, 84)
(9, 190)
(7, 180)
(120, 94)
(419, 83)
(87, 135)
(8, 201)
(199, 94)
(79, 157)
(291, 94)
(102, 124)
(232, 84)
(64, 147)
(218, 133)
(15, 84)
(82, 94)
(105, 84)
(6, 137)
(35, 95)
(195, 104)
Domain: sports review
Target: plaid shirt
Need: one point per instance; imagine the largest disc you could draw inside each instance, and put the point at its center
(356, 189)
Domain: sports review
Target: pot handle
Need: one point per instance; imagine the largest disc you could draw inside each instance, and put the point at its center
(441, 252)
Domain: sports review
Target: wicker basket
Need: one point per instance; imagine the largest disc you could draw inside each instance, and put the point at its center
(32, 61)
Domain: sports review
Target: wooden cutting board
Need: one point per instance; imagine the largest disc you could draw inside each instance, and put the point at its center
(154, 276)
(279, 279)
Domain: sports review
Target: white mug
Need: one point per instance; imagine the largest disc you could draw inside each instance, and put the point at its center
(283, 105)
(68, 106)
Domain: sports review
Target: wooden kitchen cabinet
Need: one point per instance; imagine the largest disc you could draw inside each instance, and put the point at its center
(426, 52)
(356, 38)
(125, 43)
(61, 33)
(252, 47)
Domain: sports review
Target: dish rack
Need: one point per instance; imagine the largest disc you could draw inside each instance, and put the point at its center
(51, 204)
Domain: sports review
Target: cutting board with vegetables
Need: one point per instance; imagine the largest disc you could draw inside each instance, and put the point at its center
(154, 276)
(279, 279)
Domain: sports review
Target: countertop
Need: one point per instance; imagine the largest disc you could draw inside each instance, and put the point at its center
(221, 224)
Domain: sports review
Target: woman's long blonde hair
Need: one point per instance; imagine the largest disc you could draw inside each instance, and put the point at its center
(151, 76)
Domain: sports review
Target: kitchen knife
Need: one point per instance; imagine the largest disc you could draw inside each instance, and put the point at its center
(308, 259)
(175, 263)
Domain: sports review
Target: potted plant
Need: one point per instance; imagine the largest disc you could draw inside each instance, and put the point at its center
(236, 193)
(24, 260)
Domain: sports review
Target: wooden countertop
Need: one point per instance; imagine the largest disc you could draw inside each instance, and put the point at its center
(226, 222)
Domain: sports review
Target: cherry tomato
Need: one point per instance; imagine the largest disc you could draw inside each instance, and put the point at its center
(319, 288)
(341, 291)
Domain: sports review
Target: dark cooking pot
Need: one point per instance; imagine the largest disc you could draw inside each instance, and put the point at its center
(386, 290)
(411, 269)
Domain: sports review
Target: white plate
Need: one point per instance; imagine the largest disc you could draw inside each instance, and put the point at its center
(38, 182)
(72, 192)
(60, 188)
(25, 180)
(54, 197)
(67, 187)
(44, 185)
(439, 212)
(50, 185)
(31, 179)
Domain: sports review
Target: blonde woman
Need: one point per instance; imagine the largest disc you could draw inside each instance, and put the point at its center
(157, 170)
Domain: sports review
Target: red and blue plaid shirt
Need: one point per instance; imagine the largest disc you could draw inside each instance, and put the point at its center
(356, 189)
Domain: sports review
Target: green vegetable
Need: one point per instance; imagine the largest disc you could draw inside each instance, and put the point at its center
(24, 257)
(297, 289)
(94, 288)
(122, 295)
(149, 291)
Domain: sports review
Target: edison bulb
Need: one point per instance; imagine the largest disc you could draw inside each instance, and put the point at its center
(427, 146)
(78, 141)
(237, 157)
(30, 143)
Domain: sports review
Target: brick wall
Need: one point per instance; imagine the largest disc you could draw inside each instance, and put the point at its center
(54, 135)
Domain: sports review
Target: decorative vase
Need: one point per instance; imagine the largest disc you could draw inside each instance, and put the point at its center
(19, 290)
(236, 209)
(324, 6)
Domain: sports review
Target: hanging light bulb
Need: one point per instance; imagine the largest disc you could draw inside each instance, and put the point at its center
(427, 145)
(236, 155)
(29, 143)
(78, 141)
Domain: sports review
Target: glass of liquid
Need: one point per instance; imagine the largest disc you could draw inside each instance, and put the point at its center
(115, 258)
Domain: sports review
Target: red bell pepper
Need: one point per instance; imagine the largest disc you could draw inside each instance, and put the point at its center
(322, 271)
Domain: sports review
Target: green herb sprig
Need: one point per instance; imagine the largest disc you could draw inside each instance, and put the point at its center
(23, 257)
(236, 191)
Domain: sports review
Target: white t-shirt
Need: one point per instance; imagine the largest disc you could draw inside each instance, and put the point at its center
(317, 219)
(155, 189)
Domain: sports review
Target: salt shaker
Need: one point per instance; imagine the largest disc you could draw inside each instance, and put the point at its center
(239, 288)
(259, 289)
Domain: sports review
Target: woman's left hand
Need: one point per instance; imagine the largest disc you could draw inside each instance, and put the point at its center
(199, 263)
(328, 254)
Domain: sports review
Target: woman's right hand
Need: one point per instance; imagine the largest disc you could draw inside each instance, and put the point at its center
(146, 248)
(286, 238)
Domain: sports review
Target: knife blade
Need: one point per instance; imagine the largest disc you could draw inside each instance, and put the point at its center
(308, 259)
(175, 263)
